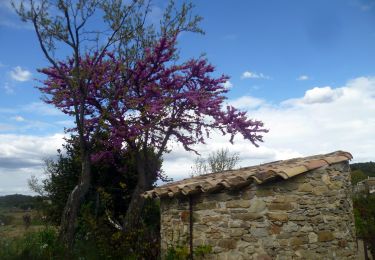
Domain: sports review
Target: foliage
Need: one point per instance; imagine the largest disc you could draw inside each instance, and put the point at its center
(156, 103)
(218, 161)
(202, 250)
(34, 245)
(96, 238)
(105, 205)
(181, 252)
(368, 168)
(357, 176)
(364, 213)
(61, 175)
(99, 242)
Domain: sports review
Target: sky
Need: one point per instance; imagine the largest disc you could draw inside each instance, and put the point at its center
(305, 68)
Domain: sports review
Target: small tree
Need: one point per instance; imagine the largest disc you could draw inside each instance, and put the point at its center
(222, 160)
(218, 161)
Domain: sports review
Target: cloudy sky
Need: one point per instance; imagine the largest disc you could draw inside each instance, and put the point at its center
(305, 68)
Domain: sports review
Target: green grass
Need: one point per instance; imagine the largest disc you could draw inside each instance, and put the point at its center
(16, 227)
(35, 242)
(38, 245)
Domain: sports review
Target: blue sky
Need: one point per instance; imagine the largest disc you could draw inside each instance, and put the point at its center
(306, 68)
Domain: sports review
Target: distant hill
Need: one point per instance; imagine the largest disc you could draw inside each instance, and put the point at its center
(360, 171)
(18, 201)
(368, 168)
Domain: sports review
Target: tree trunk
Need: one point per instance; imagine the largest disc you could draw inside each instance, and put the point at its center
(137, 201)
(68, 219)
(365, 249)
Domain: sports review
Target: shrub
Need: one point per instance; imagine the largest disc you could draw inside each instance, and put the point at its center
(202, 250)
(181, 252)
(177, 253)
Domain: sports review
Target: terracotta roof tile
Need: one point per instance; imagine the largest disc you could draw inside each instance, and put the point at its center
(236, 178)
(311, 165)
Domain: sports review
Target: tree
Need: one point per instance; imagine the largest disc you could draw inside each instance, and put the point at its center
(67, 25)
(218, 161)
(100, 215)
(156, 102)
(357, 176)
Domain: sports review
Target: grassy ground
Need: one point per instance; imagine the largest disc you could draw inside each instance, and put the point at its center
(17, 228)
(14, 231)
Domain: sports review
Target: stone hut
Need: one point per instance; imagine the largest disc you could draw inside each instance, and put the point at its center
(366, 186)
(293, 209)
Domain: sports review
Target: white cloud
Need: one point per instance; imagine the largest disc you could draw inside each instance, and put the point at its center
(18, 118)
(22, 151)
(8, 89)
(22, 156)
(253, 75)
(318, 95)
(20, 74)
(324, 120)
(303, 77)
(228, 84)
(247, 102)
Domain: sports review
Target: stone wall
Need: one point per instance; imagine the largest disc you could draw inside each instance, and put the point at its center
(308, 217)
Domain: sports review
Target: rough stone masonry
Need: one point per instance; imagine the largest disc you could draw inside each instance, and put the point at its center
(308, 215)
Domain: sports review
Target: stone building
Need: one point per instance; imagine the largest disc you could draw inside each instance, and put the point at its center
(293, 209)
(366, 186)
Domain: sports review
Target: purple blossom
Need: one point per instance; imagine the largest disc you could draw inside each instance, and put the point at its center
(150, 104)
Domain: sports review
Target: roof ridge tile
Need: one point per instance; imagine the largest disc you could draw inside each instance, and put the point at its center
(236, 178)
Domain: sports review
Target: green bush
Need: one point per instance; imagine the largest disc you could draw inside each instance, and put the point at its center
(181, 252)
(177, 253)
(202, 250)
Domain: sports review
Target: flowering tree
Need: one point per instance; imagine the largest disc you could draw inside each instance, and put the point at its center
(77, 27)
(147, 106)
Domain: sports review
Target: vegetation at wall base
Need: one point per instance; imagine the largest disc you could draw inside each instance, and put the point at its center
(364, 215)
